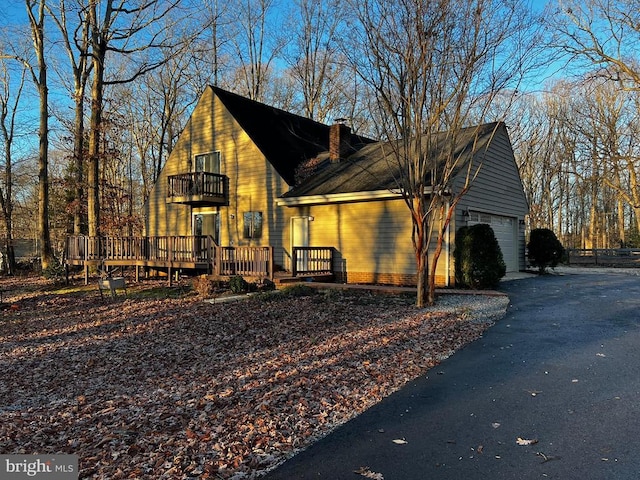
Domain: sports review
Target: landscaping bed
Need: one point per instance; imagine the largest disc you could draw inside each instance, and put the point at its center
(161, 384)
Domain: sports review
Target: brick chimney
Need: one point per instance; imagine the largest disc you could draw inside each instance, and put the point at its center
(339, 140)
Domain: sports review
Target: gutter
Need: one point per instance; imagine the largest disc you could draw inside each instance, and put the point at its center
(367, 196)
(338, 198)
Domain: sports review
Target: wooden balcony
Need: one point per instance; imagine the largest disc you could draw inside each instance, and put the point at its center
(198, 189)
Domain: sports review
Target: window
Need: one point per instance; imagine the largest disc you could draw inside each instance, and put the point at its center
(207, 162)
(252, 225)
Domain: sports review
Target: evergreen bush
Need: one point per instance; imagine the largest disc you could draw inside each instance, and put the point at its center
(237, 284)
(544, 249)
(299, 290)
(55, 271)
(479, 261)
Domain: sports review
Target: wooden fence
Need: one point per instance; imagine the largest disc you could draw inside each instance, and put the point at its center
(614, 257)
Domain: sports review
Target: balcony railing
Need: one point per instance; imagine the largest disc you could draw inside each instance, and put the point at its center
(198, 188)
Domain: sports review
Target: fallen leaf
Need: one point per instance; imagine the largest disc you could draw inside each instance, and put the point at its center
(524, 441)
(495, 425)
(365, 472)
(400, 441)
(181, 388)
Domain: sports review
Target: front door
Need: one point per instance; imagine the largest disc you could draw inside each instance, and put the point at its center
(207, 224)
(300, 238)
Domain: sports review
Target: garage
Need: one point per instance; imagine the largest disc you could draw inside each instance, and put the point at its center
(505, 231)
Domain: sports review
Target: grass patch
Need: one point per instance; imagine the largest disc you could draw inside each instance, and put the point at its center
(71, 289)
(161, 292)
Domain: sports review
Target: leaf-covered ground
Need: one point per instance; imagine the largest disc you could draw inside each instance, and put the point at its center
(145, 387)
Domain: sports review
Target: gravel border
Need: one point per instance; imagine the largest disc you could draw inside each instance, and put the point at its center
(482, 308)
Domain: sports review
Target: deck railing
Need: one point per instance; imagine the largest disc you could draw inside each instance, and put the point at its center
(170, 250)
(198, 184)
(188, 248)
(244, 261)
(311, 261)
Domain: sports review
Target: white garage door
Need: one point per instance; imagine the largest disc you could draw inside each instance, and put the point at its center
(505, 231)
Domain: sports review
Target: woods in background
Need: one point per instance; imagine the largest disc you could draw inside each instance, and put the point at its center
(94, 93)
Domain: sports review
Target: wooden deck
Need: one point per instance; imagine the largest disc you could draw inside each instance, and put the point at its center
(194, 253)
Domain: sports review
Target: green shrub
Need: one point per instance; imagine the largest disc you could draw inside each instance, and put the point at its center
(633, 239)
(479, 261)
(237, 284)
(55, 271)
(544, 249)
(299, 290)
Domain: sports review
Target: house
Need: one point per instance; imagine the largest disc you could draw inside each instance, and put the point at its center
(249, 175)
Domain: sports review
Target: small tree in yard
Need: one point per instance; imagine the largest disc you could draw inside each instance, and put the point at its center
(479, 260)
(545, 250)
(433, 67)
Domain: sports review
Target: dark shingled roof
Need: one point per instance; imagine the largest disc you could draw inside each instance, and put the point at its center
(372, 168)
(285, 139)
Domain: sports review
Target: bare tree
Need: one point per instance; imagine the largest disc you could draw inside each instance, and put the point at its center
(251, 42)
(115, 32)
(75, 38)
(9, 102)
(36, 15)
(602, 34)
(601, 37)
(314, 56)
(437, 66)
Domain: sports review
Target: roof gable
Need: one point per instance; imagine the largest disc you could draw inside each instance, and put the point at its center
(285, 139)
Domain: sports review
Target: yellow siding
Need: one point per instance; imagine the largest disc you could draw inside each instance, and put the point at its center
(253, 182)
(372, 238)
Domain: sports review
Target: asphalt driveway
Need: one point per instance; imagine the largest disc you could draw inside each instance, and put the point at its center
(560, 369)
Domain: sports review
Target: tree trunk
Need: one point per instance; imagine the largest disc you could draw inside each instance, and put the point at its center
(93, 172)
(43, 177)
(446, 212)
(422, 264)
(78, 155)
(421, 249)
(37, 31)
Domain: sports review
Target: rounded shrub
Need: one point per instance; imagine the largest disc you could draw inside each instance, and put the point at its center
(299, 290)
(55, 271)
(479, 261)
(237, 284)
(544, 249)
